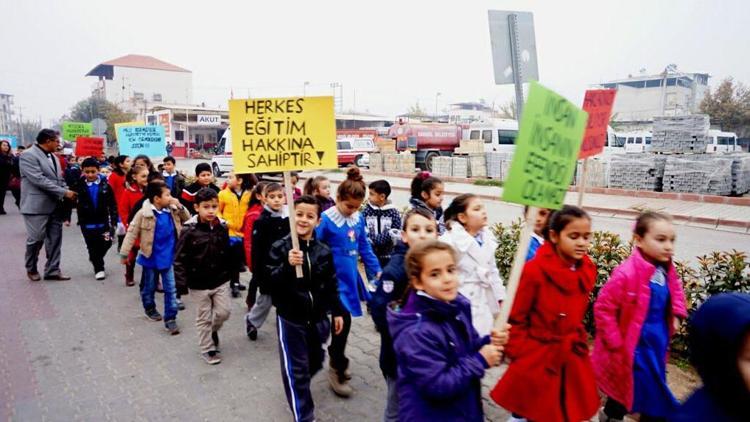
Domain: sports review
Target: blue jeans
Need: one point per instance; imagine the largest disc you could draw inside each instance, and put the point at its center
(170, 291)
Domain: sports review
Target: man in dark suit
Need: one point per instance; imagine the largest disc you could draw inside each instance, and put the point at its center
(43, 190)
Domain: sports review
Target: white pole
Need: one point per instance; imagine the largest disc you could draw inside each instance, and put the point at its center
(515, 272)
(292, 219)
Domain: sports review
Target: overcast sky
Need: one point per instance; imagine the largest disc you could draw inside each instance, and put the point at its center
(390, 53)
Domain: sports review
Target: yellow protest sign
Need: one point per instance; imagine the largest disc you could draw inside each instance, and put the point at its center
(283, 134)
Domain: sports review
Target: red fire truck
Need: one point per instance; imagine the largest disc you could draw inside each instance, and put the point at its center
(426, 140)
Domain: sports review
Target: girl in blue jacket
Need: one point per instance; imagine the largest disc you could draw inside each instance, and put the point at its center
(342, 228)
(441, 358)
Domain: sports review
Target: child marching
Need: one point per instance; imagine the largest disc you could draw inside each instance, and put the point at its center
(475, 245)
(97, 214)
(636, 313)
(302, 305)
(550, 377)
(427, 193)
(441, 357)
(233, 203)
(135, 181)
(381, 216)
(254, 209)
(203, 264)
(320, 188)
(156, 225)
(343, 229)
(204, 178)
(419, 225)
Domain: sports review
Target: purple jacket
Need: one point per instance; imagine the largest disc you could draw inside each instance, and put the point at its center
(439, 365)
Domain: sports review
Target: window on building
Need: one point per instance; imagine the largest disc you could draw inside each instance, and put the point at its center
(179, 135)
(634, 84)
(671, 81)
(685, 82)
(487, 136)
(474, 134)
(157, 97)
(507, 137)
(653, 83)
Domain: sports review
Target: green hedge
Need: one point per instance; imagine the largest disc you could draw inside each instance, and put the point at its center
(713, 273)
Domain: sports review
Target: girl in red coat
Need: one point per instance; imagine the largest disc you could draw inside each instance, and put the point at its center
(254, 209)
(636, 314)
(136, 180)
(550, 376)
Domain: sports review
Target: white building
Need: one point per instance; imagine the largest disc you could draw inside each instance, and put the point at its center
(640, 98)
(469, 112)
(6, 113)
(136, 82)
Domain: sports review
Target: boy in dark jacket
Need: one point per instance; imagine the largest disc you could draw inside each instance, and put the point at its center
(272, 225)
(381, 216)
(174, 180)
(204, 178)
(97, 214)
(202, 264)
(302, 305)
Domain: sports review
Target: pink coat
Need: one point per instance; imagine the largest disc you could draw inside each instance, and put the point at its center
(619, 313)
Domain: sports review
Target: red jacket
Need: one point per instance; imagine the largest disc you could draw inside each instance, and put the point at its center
(117, 183)
(248, 222)
(619, 312)
(550, 377)
(128, 200)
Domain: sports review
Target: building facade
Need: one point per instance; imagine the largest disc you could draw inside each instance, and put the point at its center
(136, 83)
(640, 98)
(469, 112)
(6, 113)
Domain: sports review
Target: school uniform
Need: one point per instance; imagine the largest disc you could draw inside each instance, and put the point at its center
(302, 305)
(187, 196)
(380, 221)
(97, 216)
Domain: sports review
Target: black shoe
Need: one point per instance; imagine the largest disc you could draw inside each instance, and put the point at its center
(211, 358)
(180, 305)
(235, 291)
(153, 315)
(215, 338)
(252, 332)
(242, 287)
(2, 212)
(171, 326)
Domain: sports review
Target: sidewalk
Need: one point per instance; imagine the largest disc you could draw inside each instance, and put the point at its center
(704, 214)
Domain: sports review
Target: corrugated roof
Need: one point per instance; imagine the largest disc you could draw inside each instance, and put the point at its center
(141, 62)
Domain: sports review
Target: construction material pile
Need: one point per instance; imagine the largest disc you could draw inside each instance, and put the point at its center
(698, 174)
(469, 147)
(497, 164)
(740, 173)
(680, 134)
(376, 161)
(477, 165)
(460, 167)
(405, 162)
(442, 166)
(637, 171)
(596, 173)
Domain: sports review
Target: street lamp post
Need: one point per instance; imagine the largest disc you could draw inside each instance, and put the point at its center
(304, 88)
(435, 119)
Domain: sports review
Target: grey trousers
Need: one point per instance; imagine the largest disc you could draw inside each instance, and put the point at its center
(43, 230)
(258, 314)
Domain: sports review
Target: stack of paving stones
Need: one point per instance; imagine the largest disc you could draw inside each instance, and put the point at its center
(442, 167)
(680, 134)
(390, 162)
(376, 161)
(477, 165)
(494, 162)
(698, 174)
(597, 173)
(637, 171)
(460, 167)
(406, 162)
(740, 173)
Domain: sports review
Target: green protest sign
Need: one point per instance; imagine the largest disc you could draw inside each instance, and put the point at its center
(547, 148)
(72, 130)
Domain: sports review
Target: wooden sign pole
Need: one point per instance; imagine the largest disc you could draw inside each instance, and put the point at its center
(582, 182)
(515, 272)
(289, 193)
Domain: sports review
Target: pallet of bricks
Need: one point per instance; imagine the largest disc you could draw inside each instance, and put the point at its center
(376, 161)
(680, 134)
(390, 162)
(497, 164)
(460, 166)
(740, 173)
(596, 173)
(699, 173)
(405, 162)
(470, 146)
(442, 166)
(637, 171)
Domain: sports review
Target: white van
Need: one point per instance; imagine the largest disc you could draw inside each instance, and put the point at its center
(499, 135)
(719, 141)
(634, 142)
(221, 162)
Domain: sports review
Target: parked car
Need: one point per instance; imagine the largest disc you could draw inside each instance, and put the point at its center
(221, 161)
(354, 151)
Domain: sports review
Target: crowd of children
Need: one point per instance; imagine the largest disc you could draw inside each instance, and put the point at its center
(433, 290)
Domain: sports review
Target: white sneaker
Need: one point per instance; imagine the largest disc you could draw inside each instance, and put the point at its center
(100, 275)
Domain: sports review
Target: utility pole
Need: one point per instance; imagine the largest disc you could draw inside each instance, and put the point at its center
(20, 125)
(435, 119)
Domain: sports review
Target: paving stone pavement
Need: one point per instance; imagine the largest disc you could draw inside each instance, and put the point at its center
(82, 350)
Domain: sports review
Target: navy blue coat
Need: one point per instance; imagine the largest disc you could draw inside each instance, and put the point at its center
(717, 332)
(390, 287)
(439, 365)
